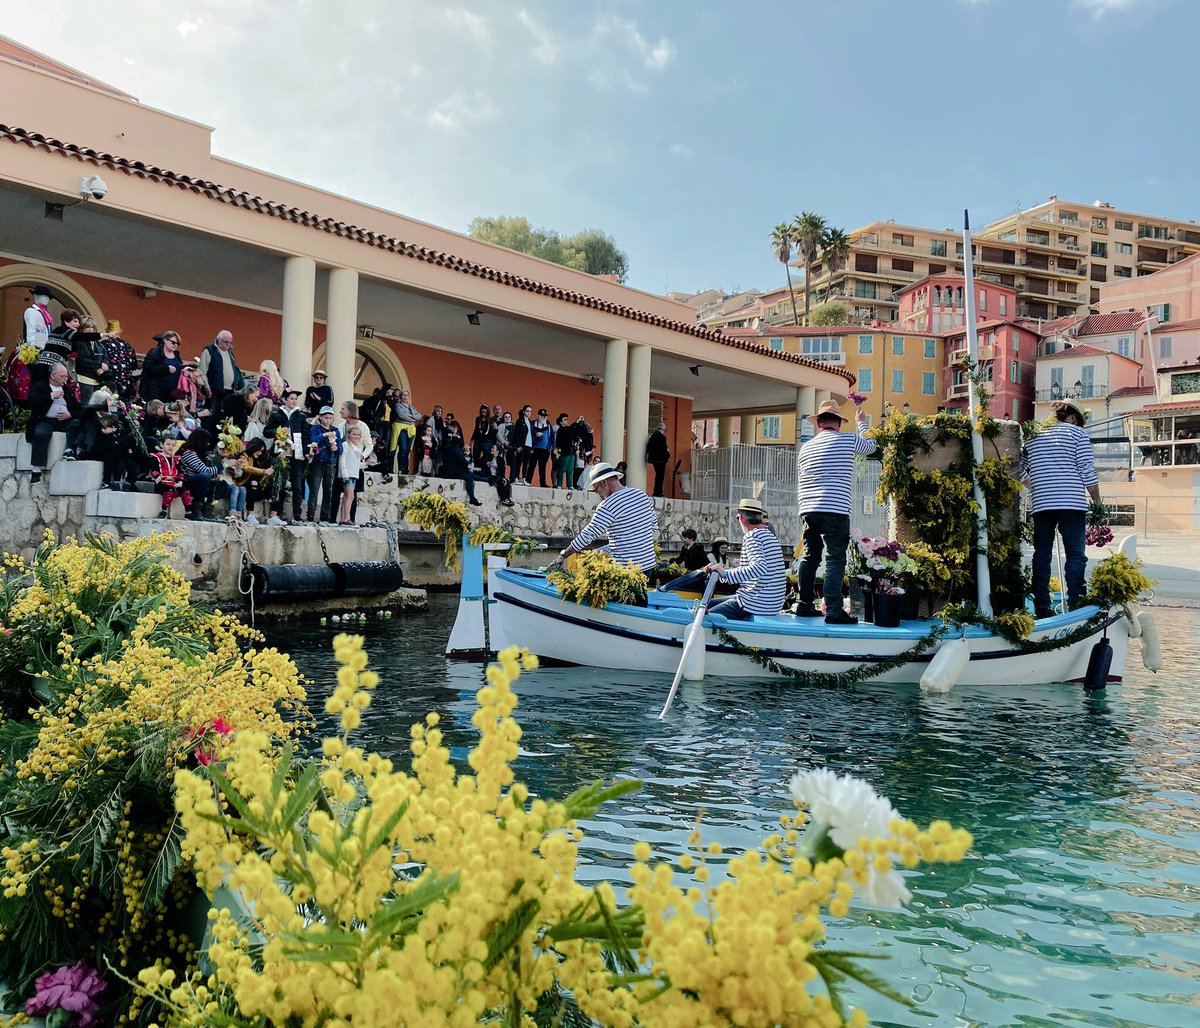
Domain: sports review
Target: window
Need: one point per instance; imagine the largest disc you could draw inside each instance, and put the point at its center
(770, 426)
(776, 343)
(930, 349)
(1152, 232)
(983, 299)
(1016, 341)
(928, 382)
(1123, 346)
(1099, 249)
(1014, 371)
(1123, 226)
(864, 380)
(1099, 224)
(1070, 242)
(1089, 380)
(820, 346)
(897, 381)
(900, 239)
(1161, 311)
(1068, 218)
(866, 344)
(1164, 346)
(1056, 383)
(901, 264)
(864, 290)
(937, 248)
(1119, 272)
(1003, 305)
(1037, 238)
(1123, 247)
(898, 345)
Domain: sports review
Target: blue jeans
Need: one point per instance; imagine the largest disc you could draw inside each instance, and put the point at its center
(731, 609)
(1072, 526)
(237, 498)
(824, 531)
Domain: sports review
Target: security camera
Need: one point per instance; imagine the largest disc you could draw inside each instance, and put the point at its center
(93, 186)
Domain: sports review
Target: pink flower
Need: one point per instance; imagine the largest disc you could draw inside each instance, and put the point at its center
(221, 727)
(858, 399)
(74, 989)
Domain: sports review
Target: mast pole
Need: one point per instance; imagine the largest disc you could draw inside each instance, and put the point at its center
(983, 573)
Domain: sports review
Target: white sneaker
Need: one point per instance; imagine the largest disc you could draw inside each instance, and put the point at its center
(276, 521)
(252, 518)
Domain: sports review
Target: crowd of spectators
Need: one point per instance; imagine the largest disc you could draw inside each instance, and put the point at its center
(207, 431)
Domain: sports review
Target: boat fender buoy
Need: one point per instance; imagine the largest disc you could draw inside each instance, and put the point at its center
(1099, 662)
(1151, 651)
(1133, 622)
(946, 667)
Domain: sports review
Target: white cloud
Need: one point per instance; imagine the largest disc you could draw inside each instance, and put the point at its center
(460, 108)
(546, 51)
(186, 28)
(682, 150)
(624, 56)
(1099, 8)
(653, 56)
(464, 21)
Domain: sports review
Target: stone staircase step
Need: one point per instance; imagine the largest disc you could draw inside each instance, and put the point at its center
(58, 443)
(105, 503)
(75, 477)
(9, 443)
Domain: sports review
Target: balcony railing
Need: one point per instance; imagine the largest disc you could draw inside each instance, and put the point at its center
(826, 358)
(1052, 395)
(957, 391)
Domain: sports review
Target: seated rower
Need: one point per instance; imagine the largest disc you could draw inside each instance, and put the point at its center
(625, 515)
(760, 574)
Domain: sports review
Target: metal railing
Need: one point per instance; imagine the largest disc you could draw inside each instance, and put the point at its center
(768, 474)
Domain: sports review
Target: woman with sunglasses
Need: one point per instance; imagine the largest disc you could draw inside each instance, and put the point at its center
(162, 368)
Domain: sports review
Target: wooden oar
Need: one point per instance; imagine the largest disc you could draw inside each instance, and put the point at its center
(695, 631)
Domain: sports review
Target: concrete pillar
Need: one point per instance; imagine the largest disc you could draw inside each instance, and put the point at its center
(725, 433)
(748, 432)
(296, 336)
(637, 415)
(821, 396)
(612, 411)
(341, 331)
(806, 404)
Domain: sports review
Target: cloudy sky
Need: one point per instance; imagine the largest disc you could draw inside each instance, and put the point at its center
(684, 129)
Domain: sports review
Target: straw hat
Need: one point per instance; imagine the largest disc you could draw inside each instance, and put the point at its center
(599, 472)
(321, 372)
(114, 327)
(827, 407)
(751, 506)
(1074, 408)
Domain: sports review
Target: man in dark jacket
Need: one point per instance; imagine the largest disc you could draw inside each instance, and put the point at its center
(585, 446)
(52, 408)
(219, 366)
(657, 455)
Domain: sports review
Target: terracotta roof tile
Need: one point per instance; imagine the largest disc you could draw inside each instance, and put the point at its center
(1104, 324)
(1086, 350)
(239, 198)
(1163, 408)
(1131, 391)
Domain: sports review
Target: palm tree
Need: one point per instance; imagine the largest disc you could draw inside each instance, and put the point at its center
(781, 240)
(808, 233)
(835, 251)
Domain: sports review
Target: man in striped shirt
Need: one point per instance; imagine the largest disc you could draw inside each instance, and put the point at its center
(1059, 466)
(760, 575)
(625, 515)
(824, 486)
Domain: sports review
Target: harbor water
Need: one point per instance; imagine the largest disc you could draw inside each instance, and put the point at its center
(1077, 906)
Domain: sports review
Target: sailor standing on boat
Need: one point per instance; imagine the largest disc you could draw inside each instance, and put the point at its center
(824, 484)
(1058, 464)
(624, 514)
(760, 574)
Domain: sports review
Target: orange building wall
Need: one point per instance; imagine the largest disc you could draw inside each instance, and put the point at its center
(459, 382)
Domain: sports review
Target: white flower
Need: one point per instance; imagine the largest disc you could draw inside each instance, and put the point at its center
(850, 809)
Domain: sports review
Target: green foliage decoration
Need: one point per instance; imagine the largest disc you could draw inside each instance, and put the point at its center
(446, 519)
(595, 579)
(1117, 581)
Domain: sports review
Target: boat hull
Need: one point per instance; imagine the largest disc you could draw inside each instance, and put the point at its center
(526, 611)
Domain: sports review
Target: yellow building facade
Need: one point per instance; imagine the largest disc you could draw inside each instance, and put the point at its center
(891, 368)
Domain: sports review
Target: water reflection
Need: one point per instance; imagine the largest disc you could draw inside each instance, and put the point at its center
(1078, 903)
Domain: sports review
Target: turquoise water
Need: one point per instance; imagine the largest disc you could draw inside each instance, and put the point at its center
(1079, 904)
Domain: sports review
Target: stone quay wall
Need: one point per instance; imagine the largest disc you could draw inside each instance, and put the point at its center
(69, 503)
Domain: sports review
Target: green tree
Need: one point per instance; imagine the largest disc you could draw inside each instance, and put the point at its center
(831, 313)
(808, 233)
(591, 250)
(835, 249)
(781, 240)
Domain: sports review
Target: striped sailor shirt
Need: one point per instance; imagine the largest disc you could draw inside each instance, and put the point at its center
(825, 471)
(630, 521)
(1059, 463)
(760, 574)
